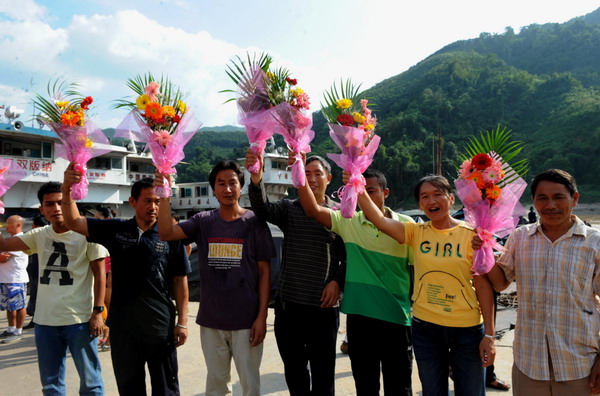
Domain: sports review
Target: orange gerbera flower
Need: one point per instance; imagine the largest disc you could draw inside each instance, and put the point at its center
(493, 193)
(477, 177)
(70, 118)
(154, 111)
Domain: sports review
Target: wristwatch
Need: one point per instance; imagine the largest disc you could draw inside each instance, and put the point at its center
(99, 308)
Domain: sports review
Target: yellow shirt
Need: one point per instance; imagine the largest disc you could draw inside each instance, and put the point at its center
(443, 292)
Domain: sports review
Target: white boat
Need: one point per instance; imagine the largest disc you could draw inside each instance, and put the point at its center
(111, 175)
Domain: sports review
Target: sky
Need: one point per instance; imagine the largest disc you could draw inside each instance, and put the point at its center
(102, 43)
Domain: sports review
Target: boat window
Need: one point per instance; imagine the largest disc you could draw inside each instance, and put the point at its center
(116, 163)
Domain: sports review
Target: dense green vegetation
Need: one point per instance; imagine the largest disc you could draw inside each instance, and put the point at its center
(543, 84)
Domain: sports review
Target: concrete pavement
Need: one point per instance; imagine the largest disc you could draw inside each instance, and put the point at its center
(19, 372)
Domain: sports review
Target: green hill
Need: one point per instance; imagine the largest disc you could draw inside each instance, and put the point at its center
(542, 83)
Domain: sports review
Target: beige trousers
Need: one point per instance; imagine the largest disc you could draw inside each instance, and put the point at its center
(524, 386)
(218, 347)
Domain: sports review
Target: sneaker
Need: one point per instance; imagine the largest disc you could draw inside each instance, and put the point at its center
(5, 334)
(12, 338)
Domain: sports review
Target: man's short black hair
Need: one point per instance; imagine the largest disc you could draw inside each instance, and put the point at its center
(556, 176)
(39, 221)
(322, 160)
(138, 186)
(175, 216)
(374, 173)
(225, 165)
(104, 212)
(48, 188)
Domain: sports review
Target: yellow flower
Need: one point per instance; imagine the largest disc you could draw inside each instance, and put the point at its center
(358, 118)
(142, 101)
(168, 111)
(61, 104)
(296, 92)
(89, 143)
(343, 104)
(369, 127)
(181, 106)
(271, 76)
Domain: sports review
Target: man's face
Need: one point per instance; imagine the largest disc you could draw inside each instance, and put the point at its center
(12, 226)
(227, 187)
(317, 178)
(51, 208)
(554, 203)
(146, 205)
(377, 194)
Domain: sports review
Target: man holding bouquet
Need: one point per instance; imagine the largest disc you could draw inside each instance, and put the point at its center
(147, 274)
(377, 293)
(234, 252)
(556, 263)
(312, 274)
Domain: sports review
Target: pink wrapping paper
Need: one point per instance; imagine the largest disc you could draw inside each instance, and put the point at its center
(353, 159)
(295, 127)
(79, 145)
(10, 174)
(499, 219)
(164, 157)
(254, 112)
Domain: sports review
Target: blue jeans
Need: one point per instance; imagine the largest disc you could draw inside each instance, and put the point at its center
(52, 343)
(437, 347)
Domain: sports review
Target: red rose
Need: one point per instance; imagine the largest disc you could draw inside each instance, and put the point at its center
(345, 119)
(176, 118)
(291, 81)
(481, 161)
(88, 100)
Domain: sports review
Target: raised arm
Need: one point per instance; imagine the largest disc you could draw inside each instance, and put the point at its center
(12, 244)
(73, 220)
(312, 208)
(391, 227)
(272, 212)
(166, 229)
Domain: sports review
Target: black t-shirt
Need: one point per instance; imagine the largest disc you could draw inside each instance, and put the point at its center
(143, 268)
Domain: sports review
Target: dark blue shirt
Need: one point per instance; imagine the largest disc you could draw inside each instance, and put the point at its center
(143, 268)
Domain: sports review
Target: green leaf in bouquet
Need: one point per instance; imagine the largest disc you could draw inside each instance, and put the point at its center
(58, 89)
(498, 141)
(343, 90)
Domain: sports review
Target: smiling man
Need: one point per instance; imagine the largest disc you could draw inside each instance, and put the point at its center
(145, 270)
(234, 252)
(556, 263)
(312, 274)
(377, 292)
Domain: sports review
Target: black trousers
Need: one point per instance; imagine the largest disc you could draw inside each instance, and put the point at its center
(306, 337)
(129, 356)
(376, 346)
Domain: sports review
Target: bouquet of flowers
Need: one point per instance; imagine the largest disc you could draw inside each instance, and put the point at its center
(10, 173)
(352, 128)
(65, 114)
(270, 102)
(161, 119)
(293, 122)
(490, 188)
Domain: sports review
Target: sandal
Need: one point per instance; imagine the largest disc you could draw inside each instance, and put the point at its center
(499, 384)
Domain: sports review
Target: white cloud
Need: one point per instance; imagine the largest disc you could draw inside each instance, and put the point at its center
(22, 10)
